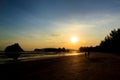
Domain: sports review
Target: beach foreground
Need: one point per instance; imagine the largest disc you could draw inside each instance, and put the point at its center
(98, 66)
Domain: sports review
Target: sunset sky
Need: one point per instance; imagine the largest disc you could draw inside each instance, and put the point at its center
(52, 23)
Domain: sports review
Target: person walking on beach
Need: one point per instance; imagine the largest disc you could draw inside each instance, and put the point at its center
(87, 54)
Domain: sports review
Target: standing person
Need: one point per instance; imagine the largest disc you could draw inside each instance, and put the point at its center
(88, 53)
(85, 54)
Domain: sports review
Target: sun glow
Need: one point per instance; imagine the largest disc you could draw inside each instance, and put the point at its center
(74, 39)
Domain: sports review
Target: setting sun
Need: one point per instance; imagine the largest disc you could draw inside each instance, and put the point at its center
(74, 39)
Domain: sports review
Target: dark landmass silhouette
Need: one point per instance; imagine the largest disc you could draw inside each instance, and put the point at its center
(56, 50)
(110, 44)
(13, 51)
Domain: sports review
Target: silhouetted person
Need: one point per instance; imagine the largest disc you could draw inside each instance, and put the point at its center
(85, 54)
(88, 53)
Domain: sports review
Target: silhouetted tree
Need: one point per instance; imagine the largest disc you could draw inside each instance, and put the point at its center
(63, 49)
(111, 43)
(50, 49)
(59, 50)
(85, 49)
(13, 51)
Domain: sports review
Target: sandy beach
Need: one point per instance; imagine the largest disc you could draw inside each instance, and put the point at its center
(98, 66)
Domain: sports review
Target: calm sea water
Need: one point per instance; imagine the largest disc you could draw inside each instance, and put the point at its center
(28, 56)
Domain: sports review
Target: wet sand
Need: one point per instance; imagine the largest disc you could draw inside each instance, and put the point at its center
(98, 66)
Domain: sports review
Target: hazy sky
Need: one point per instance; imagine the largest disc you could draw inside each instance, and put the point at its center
(51, 23)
